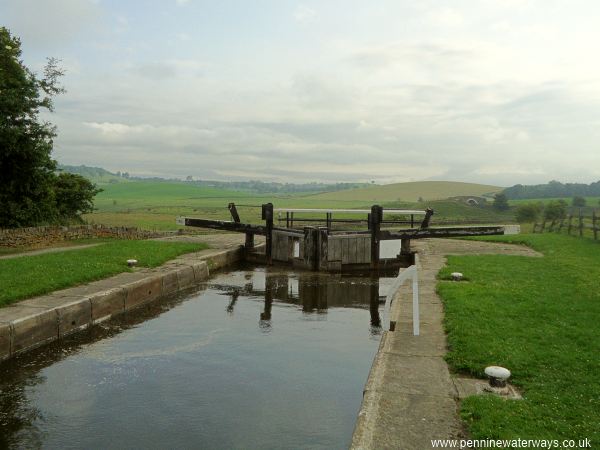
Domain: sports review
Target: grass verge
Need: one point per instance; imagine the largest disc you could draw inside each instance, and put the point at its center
(36, 275)
(539, 318)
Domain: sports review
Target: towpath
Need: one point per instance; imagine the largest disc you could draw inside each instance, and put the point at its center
(410, 397)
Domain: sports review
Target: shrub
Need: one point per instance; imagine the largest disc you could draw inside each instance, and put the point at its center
(528, 212)
(500, 202)
(578, 202)
(555, 210)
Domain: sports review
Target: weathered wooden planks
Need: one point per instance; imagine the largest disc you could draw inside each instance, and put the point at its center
(349, 249)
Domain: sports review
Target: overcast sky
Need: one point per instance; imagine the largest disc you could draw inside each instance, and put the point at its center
(492, 91)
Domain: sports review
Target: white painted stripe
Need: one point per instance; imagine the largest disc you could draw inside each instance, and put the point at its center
(358, 211)
(409, 272)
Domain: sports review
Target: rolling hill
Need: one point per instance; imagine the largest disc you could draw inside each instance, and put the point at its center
(96, 175)
(410, 192)
(155, 204)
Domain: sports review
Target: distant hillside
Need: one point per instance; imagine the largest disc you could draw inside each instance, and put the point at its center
(553, 189)
(270, 187)
(102, 176)
(411, 192)
(96, 175)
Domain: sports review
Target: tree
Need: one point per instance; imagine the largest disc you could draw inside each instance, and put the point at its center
(528, 212)
(578, 201)
(74, 196)
(555, 210)
(29, 181)
(500, 202)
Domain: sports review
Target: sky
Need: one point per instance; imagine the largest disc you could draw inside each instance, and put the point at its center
(487, 91)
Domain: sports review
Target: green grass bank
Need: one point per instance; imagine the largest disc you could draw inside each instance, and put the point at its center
(538, 317)
(29, 276)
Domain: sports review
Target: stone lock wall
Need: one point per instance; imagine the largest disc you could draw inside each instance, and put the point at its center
(43, 236)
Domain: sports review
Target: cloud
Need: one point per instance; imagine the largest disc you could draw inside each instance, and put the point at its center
(155, 70)
(446, 17)
(48, 23)
(304, 14)
(399, 92)
(324, 129)
(168, 69)
(183, 36)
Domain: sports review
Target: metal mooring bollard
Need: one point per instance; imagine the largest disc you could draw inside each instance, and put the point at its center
(456, 276)
(132, 262)
(497, 375)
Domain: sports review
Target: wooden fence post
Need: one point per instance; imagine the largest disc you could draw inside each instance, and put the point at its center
(580, 223)
(405, 247)
(267, 215)
(249, 243)
(594, 225)
(323, 249)
(375, 217)
(234, 214)
(561, 224)
(427, 219)
(570, 224)
(311, 248)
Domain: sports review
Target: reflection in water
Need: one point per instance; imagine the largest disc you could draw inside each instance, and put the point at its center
(195, 371)
(20, 375)
(234, 298)
(374, 300)
(315, 292)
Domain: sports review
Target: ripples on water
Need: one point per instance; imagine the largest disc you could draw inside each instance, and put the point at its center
(254, 358)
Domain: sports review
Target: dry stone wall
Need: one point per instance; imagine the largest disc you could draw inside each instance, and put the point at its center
(35, 237)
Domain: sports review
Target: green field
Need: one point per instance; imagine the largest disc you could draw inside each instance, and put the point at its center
(154, 205)
(591, 202)
(410, 192)
(539, 318)
(29, 276)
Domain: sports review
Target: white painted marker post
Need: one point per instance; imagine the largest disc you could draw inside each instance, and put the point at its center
(415, 287)
(409, 272)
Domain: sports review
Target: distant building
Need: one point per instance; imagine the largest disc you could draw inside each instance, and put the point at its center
(471, 200)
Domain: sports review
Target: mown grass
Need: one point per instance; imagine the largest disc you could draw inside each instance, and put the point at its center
(539, 318)
(29, 276)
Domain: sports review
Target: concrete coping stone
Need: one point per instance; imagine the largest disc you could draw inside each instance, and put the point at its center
(33, 322)
(15, 313)
(30, 326)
